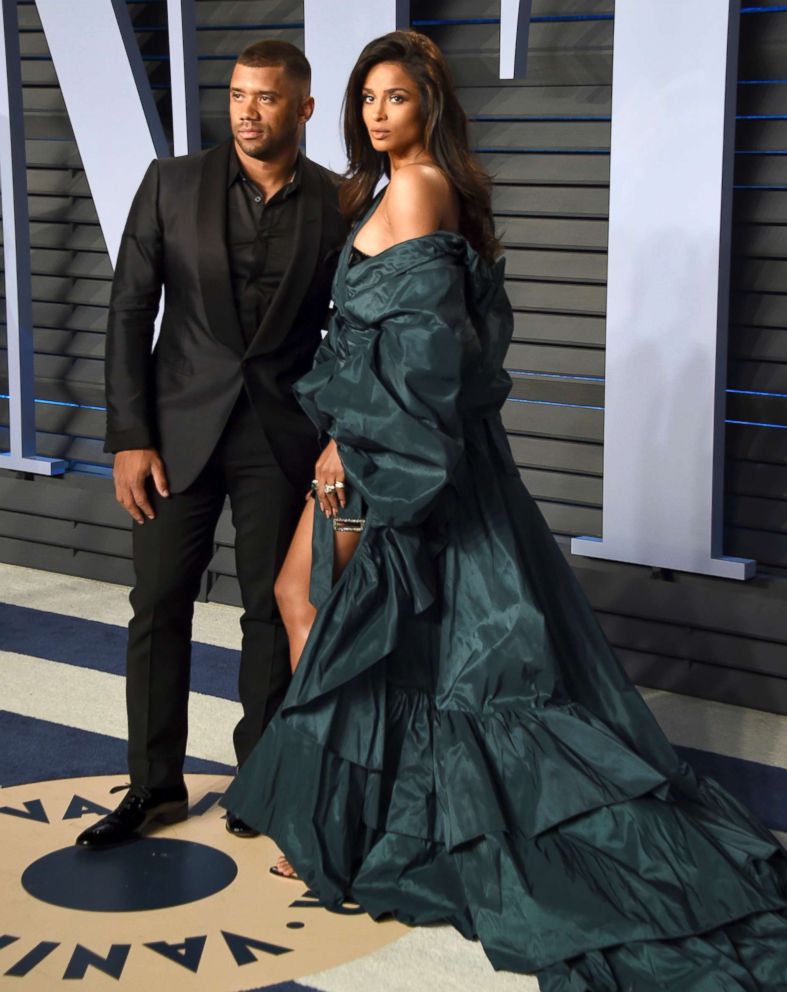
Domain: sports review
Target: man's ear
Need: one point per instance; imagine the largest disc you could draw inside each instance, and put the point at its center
(306, 110)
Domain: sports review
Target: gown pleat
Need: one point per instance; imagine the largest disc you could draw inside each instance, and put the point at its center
(459, 742)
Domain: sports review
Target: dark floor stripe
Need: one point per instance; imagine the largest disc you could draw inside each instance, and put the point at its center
(102, 647)
(761, 788)
(37, 750)
(285, 987)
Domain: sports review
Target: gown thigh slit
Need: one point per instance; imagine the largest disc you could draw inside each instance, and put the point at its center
(459, 742)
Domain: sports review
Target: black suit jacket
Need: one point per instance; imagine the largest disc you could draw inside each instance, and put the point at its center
(178, 397)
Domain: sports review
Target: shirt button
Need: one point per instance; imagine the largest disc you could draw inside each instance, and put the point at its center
(258, 199)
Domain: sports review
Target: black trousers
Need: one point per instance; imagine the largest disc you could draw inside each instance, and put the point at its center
(171, 553)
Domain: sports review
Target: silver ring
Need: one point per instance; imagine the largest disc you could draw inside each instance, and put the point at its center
(315, 484)
(328, 488)
(340, 485)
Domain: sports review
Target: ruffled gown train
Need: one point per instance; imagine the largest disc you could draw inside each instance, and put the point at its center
(459, 742)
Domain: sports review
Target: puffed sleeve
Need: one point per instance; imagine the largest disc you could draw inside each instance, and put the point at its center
(385, 386)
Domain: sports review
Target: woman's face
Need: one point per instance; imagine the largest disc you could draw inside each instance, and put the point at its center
(392, 110)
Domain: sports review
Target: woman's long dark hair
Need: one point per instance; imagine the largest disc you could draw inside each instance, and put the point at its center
(445, 136)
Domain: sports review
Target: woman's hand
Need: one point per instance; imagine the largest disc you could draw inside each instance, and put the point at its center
(329, 472)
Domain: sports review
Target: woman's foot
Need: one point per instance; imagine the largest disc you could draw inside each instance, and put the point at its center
(284, 869)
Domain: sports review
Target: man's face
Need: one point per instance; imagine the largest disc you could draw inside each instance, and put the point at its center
(267, 111)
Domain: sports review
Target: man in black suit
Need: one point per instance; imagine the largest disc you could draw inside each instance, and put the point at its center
(243, 239)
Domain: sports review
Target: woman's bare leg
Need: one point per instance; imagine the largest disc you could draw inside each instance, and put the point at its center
(292, 597)
(292, 586)
(292, 583)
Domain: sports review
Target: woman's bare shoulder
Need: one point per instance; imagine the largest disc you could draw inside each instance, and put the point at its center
(419, 197)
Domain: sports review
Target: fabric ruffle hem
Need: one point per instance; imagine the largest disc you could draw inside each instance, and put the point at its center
(459, 742)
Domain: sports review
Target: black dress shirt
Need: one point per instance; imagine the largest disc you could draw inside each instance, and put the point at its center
(260, 241)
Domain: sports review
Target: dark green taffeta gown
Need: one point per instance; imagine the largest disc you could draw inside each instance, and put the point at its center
(459, 742)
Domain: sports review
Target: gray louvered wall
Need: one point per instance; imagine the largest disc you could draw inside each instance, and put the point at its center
(546, 142)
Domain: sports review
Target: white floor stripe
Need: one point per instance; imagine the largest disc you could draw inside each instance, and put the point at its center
(104, 602)
(437, 958)
(721, 728)
(95, 701)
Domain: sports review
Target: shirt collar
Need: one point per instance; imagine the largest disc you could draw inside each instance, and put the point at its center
(235, 173)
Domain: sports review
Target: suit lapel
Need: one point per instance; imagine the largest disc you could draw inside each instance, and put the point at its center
(296, 280)
(213, 257)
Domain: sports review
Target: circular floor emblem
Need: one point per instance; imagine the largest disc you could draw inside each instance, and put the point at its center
(78, 919)
(150, 874)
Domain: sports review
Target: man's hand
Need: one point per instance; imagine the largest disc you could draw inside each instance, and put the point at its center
(130, 472)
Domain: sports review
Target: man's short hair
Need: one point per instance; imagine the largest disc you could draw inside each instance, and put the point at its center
(274, 53)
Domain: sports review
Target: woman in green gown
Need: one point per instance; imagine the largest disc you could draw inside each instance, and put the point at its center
(459, 743)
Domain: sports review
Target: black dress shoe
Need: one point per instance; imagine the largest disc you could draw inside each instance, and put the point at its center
(140, 808)
(238, 828)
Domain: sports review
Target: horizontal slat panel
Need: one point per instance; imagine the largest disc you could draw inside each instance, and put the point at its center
(567, 53)
(757, 375)
(75, 265)
(768, 344)
(55, 420)
(757, 479)
(551, 264)
(551, 201)
(762, 170)
(225, 589)
(698, 679)
(761, 206)
(761, 409)
(72, 237)
(67, 209)
(64, 533)
(73, 449)
(53, 341)
(550, 453)
(765, 546)
(223, 562)
(219, 13)
(561, 169)
(51, 558)
(694, 644)
(563, 518)
(753, 610)
(57, 182)
(571, 423)
(570, 329)
(558, 390)
(563, 487)
(491, 8)
(566, 361)
(764, 99)
(69, 497)
(76, 318)
(762, 135)
(527, 100)
(759, 309)
(757, 444)
(539, 135)
(553, 232)
(760, 240)
(91, 292)
(557, 296)
(765, 275)
(763, 48)
(749, 512)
